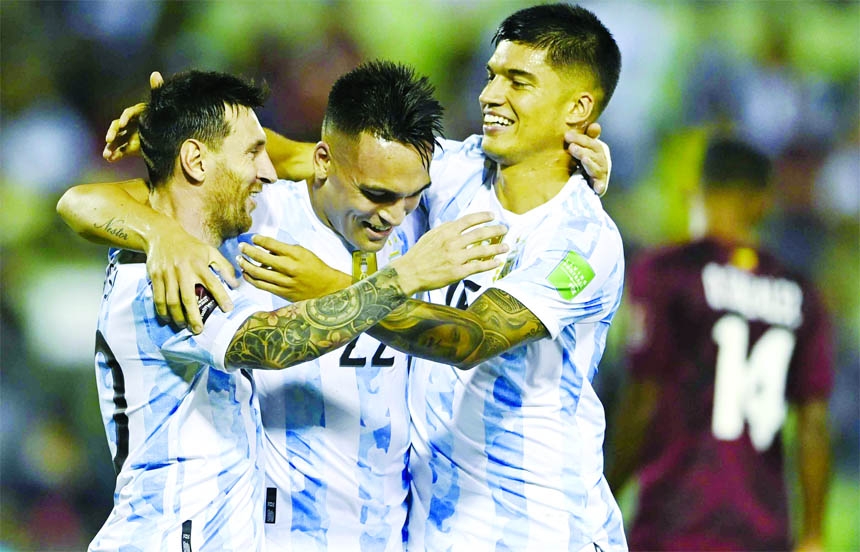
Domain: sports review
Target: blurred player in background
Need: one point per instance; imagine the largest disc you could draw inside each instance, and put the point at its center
(725, 339)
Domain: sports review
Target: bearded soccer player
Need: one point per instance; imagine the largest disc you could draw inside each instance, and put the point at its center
(181, 411)
(370, 173)
(726, 339)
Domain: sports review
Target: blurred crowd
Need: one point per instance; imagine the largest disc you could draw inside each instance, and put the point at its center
(784, 75)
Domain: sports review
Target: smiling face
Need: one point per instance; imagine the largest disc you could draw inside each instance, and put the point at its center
(527, 104)
(241, 167)
(366, 187)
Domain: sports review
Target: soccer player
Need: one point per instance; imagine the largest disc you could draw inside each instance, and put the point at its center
(351, 481)
(180, 410)
(725, 339)
(507, 429)
(508, 454)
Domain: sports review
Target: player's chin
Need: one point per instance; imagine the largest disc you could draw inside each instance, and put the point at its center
(243, 225)
(363, 242)
(372, 246)
(493, 148)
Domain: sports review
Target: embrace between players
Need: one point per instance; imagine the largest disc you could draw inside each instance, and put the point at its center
(465, 420)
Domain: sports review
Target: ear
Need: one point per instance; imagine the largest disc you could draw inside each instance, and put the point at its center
(322, 162)
(581, 109)
(192, 160)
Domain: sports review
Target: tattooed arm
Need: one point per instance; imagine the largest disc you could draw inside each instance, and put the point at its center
(493, 324)
(307, 329)
(97, 212)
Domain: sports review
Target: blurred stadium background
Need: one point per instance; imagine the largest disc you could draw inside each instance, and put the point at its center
(784, 74)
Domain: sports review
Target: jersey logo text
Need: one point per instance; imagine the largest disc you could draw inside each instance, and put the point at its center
(571, 275)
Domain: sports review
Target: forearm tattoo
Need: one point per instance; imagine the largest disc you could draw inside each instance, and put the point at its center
(115, 228)
(308, 329)
(495, 323)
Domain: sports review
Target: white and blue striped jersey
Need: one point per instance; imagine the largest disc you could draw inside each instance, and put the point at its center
(336, 428)
(184, 431)
(508, 455)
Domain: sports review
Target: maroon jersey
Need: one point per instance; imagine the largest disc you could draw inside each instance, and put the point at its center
(731, 337)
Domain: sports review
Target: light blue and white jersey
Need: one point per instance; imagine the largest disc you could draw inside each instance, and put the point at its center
(337, 428)
(508, 455)
(184, 431)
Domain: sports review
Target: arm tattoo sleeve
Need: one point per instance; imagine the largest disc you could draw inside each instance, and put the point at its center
(492, 325)
(308, 329)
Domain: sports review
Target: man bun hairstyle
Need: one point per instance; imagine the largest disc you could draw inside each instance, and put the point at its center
(189, 105)
(388, 101)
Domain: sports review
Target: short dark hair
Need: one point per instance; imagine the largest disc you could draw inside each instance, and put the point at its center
(388, 101)
(731, 162)
(572, 37)
(191, 104)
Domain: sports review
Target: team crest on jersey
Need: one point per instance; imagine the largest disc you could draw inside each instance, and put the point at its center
(571, 275)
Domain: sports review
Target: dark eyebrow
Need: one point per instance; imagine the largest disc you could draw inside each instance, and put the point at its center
(521, 73)
(388, 195)
(257, 145)
(514, 73)
(422, 189)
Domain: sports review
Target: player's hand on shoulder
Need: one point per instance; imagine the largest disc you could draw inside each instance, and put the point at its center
(177, 262)
(593, 154)
(451, 252)
(288, 271)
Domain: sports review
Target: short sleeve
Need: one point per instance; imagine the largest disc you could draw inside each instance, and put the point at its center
(570, 281)
(210, 346)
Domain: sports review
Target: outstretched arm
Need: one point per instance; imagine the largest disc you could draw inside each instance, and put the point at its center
(494, 323)
(92, 211)
(119, 214)
(308, 329)
(292, 160)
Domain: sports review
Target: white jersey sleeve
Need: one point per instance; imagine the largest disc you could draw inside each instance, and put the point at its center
(184, 434)
(508, 455)
(210, 346)
(576, 273)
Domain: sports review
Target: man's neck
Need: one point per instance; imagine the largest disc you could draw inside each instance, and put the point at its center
(729, 219)
(316, 199)
(523, 186)
(728, 228)
(185, 209)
